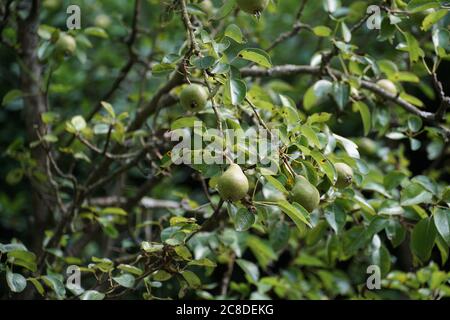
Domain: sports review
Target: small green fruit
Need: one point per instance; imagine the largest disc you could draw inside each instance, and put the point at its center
(233, 184)
(207, 7)
(388, 86)
(66, 44)
(194, 97)
(367, 146)
(305, 194)
(345, 175)
(51, 4)
(103, 21)
(253, 6)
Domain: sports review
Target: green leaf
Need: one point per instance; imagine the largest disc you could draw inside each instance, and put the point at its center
(298, 214)
(422, 239)
(125, 280)
(320, 92)
(325, 165)
(235, 33)
(256, 55)
(414, 123)
(250, 269)
(393, 179)
(311, 135)
(78, 123)
(225, 10)
(335, 217)
(349, 146)
(204, 262)
(22, 258)
(346, 33)
(130, 269)
(277, 184)
(261, 250)
(395, 232)
(443, 248)
(365, 115)
(279, 235)
(192, 279)
(421, 5)
(11, 96)
(182, 123)
(96, 32)
(151, 247)
(56, 285)
(16, 282)
(235, 91)
(441, 41)
(109, 108)
(322, 31)
(415, 194)
(92, 295)
(204, 62)
(244, 219)
(183, 252)
(415, 52)
(432, 18)
(161, 275)
(12, 247)
(442, 223)
(113, 211)
(37, 285)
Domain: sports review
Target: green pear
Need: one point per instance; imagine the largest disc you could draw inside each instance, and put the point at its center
(345, 175)
(103, 21)
(367, 146)
(253, 6)
(233, 184)
(305, 194)
(388, 86)
(66, 44)
(207, 7)
(194, 97)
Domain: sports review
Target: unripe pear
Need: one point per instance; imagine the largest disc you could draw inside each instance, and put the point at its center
(253, 6)
(305, 194)
(207, 7)
(194, 97)
(66, 44)
(51, 4)
(102, 21)
(233, 184)
(388, 86)
(345, 175)
(367, 146)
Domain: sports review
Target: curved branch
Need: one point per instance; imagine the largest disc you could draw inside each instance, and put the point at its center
(289, 70)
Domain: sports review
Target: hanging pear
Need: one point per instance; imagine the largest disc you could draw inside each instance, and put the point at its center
(194, 97)
(305, 194)
(388, 86)
(233, 184)
(345, 175)
(255, 7)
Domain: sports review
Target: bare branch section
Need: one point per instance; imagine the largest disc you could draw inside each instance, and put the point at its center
(289, 70)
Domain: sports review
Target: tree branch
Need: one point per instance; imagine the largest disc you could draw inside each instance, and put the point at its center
(289, 70)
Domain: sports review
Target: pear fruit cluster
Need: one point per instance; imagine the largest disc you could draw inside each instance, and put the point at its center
(233, 184)
(253, 6)
(194, 97)
(345, 175)
(305, 194)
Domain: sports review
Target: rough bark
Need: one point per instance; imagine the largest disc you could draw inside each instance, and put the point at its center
(34, 105)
